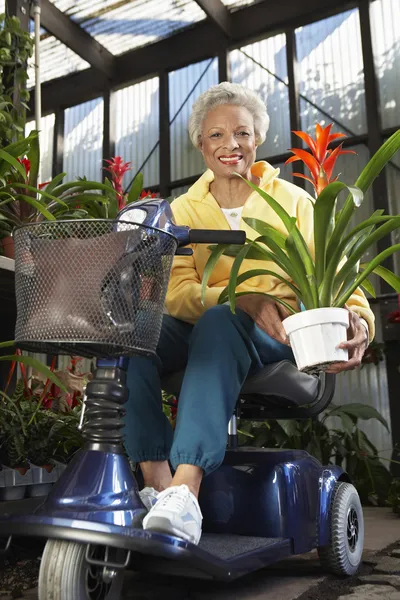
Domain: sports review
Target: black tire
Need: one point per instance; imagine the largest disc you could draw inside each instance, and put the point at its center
(65, 575)
(343, 555)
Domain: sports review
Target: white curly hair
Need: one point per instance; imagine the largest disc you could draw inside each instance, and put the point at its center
(229, 93)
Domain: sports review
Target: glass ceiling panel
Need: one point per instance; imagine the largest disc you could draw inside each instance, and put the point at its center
(126, 24)
(56, 60)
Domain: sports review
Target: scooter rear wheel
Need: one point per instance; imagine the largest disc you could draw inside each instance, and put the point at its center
(344, 553)
(65, 574)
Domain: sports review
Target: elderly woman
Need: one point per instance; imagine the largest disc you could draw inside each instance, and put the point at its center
(217, 349)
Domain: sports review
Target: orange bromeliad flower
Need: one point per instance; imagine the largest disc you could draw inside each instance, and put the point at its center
(321, 160)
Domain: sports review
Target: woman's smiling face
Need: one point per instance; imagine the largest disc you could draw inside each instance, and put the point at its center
(228, 141)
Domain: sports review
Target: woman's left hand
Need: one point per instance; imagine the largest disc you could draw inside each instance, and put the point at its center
(357, 343)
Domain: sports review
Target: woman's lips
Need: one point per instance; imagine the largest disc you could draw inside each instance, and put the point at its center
(232, 159)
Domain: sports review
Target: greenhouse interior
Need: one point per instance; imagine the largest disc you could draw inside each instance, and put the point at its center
(98, 109)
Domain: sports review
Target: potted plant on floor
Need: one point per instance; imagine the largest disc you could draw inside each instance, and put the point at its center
(321, 284)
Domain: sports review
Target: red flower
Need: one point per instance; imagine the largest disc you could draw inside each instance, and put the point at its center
(145, 195)
(394, 317)
(117, 168)
(26, 163)
(320, 161)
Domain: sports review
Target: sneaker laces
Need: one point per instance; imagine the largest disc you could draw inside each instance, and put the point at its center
(174, 498)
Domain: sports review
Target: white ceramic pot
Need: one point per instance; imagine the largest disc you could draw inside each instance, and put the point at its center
(315, 336)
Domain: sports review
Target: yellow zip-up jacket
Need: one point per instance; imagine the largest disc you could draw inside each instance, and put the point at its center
(199, 210)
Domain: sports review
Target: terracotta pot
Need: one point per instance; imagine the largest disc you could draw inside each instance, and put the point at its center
(8, 246)
(21, 470)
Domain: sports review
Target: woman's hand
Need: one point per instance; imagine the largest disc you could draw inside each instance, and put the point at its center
(357, 343)
(267, 315)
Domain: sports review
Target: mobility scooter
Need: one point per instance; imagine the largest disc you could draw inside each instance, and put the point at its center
(97, 289)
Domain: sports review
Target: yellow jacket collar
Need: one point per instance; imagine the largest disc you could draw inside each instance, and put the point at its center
(199, 190)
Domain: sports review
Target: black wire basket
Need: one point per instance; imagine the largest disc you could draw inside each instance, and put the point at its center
(91, 287)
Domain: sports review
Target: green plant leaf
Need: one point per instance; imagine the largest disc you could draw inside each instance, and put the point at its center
(212, 261)
(33, 155)
(359, 411)
(36, 364)
(324, 209)
(390, 278)
(136, 188)
(368, 287)
(51, 186)
(8, 344)
(39, 192)
(234, 274)
(255, 253)
(13, 162)
(309, 296)
(256, 273)
(368, 175)
(274, 298)
(38, 206)
(341, 301)
(378, 234)
(266, 230)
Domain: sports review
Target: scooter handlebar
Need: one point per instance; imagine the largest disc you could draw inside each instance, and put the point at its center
(217, 236)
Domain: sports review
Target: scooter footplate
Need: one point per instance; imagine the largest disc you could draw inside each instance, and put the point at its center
(228, 546)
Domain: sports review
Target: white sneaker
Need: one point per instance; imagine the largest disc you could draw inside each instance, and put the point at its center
(176, 512)
(148, 496)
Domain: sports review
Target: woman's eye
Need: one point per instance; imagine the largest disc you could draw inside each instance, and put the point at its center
(214, 135)
(245, 133)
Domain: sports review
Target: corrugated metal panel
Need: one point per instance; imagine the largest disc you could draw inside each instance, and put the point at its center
(56, 60)
(83, 140)
(46, 145)
(368, 386)
(185, 85)
(262, 68)
(234, 5)
(331, 73)
(385, 19)
(123, 25)
(136, 110)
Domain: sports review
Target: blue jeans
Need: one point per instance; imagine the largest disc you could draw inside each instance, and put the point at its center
(217, 353)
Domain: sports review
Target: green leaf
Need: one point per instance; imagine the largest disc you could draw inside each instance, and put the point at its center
(378, 234)
(7, 344)
(234, 273)
(39, 207)
(324, 209)
(309, 298)
(212, 261)
(390, 278)
(369, 288)
(136, 188)
(256, 273)
(13, 162)
(274, 298)
(284, 216)
(266, 230)
(255, 253)
(36, 364)
(34, 158)
(341, 301)
(368, 175)
(40, 192)
(50, 187)
(359, 411)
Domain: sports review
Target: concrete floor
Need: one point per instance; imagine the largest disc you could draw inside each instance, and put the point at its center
(285, 581)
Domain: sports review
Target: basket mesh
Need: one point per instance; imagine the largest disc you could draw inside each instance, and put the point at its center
(88, 289)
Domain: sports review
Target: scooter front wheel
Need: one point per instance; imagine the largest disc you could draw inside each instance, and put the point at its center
(65, 574)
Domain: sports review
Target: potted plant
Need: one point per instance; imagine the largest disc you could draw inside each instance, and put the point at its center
(38, 432)
(321, 284)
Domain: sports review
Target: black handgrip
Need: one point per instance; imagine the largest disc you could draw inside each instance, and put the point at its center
(217, 236)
